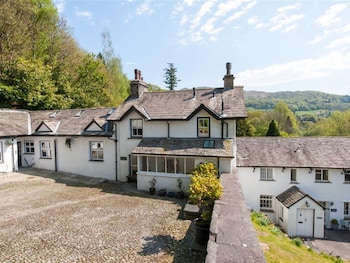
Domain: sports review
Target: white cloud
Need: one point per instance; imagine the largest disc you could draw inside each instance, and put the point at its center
(296, 70)
(253, 20)
(284, 21)
(59, 5)
(144, 8)
(205, 8)
(331, 15)
(240, 13)
(226, 7)
(340, 42)
(84, 14)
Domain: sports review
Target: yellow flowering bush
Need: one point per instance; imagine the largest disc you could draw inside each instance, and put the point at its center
(205, 188)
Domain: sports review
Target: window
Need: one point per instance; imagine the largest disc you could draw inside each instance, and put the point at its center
(170, 165)
(347, 175)
(96, 149)
(1, 153)
(133, 164)
(136, 127)
(152, 164)
(293, 175)
(321, 175)
(346, 209)
(161, 164)
(225, 130)
(29, 147)
(167, 164)
(265, 202)
(203, 127)
(45, 149)
(266, 174)
(189, 165)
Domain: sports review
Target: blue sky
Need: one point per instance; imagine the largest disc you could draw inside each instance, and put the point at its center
(272, 45)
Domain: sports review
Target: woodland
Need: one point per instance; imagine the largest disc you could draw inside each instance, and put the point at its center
(43, 67)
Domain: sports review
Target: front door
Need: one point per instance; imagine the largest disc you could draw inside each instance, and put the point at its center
(305, 222)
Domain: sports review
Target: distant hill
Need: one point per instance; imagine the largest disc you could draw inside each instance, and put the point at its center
(297, 100)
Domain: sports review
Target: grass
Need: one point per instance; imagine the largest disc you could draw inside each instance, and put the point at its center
(278, 247)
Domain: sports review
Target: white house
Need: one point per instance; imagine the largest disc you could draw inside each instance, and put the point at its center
(163, 135)
(319, 167)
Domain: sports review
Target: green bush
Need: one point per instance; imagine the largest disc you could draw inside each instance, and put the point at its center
(297, 241)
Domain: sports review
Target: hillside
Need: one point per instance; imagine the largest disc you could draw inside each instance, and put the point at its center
(297, 100)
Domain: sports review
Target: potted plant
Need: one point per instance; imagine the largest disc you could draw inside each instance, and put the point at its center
(205, 188)
(152, 189)
(180, 194)
(334, 224)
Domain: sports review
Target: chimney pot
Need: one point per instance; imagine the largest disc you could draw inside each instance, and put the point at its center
(194, 92)
(136, 73)
(228, 68)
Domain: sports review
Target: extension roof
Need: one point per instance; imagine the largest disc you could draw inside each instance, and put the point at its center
(292, 196)
(319, 152)
(221, 103)
(186, 147)
(14, 123)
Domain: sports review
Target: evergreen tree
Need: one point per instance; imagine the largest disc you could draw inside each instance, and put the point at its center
(273, 130)
(170, 77)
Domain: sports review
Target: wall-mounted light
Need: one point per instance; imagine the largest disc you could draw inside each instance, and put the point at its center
(310, 171)
(253, 169)
(283, 169)
(307, 204)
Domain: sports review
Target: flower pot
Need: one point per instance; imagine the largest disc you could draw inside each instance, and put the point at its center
(180, 195)
(201, 231)
(152, 190)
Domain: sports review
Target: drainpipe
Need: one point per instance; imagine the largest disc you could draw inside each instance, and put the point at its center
(55, 153)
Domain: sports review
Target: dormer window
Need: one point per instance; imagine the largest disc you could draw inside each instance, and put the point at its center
(203, 127)
(136, 128)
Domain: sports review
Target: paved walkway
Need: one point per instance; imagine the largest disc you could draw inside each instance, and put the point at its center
(336, 243)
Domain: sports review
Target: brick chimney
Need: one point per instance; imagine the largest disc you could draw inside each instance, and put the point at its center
(228, 78)
(138, 86)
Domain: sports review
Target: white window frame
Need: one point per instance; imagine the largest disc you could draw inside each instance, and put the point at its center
(1, 152)
(347, 209)
(266, 202)
(45, 149)
(346, 175)
(29, 147)
(323, 175)
(203, 126)
(188, 164)
(136, 128)
(293, 173)
(266, 174)
(96, 151)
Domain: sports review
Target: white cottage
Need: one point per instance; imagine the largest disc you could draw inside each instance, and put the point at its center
(163, 135)
(319, 167)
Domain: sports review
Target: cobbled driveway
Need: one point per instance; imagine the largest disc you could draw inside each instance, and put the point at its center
(51, 218)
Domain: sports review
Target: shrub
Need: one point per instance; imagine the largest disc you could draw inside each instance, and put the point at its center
(297, 241)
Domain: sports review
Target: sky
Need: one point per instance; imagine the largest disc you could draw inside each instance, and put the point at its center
(272, 45)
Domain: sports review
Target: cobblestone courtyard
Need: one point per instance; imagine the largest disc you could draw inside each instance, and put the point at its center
(54, 219)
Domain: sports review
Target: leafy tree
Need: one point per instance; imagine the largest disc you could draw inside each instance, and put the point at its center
(171, 79)
(244, 128)
(273, 130)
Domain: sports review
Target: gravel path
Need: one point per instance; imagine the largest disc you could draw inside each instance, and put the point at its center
(50, 220)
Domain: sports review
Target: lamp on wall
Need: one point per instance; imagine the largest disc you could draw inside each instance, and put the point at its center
(310, 171)
(283, 169)
(253, 169)
(307, 203)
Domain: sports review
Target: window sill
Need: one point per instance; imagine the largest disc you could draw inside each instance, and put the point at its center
(29, 153)
(346, 182)
(135, 137)
(294, 182)
(46, 158)
(268, 210)
(322, 182)
(268, 180)
(92, 160)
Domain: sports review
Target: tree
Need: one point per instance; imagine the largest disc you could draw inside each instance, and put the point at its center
(170, 77)
(244, 128)
(273, 130)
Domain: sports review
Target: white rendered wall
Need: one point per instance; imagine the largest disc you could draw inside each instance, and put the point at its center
(335, 191)
(9, 154)
(75, 159)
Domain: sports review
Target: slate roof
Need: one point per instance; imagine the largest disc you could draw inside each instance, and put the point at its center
(14, 123)
(185, 147)
(223, 103)
(72, 121)
(291, 196)
(319, 152)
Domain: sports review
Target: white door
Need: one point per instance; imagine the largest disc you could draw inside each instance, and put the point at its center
(305, 222)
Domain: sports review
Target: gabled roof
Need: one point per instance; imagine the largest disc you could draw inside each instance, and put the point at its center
(292, 196)
(14, 123)
(186, 147)
(303, 152)
(71, 122)
(226, 103)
